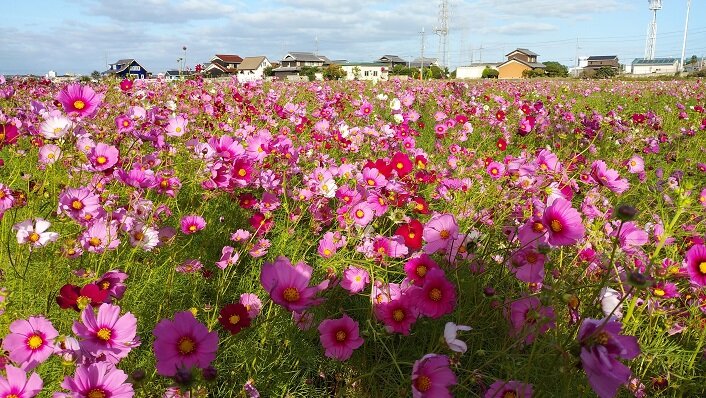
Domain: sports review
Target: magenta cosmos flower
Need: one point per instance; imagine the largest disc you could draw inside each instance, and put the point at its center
(696, 264)
(439, 232)
(601, 347)
(437, 296)
(192, 224)
(563, 223)
(98, 380)
(103, 157)
(107, 333)
(30, 342)
(183, 343)
(288, 285)
(398, 314)
(79, 100)
(340, 337)
(512, 388)
(431, 377)
(16, 385)
(529, 318)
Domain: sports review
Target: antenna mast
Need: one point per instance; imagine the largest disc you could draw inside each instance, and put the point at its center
(651, 46)
(443, 32)
(686, 28)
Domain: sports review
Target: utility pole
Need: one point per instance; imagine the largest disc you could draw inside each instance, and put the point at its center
(316, 39)
(686, 28)
(421, 69)
(183, 59)
(577, 52)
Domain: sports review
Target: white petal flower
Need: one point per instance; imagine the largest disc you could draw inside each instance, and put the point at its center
(450, 331)
(610, 300)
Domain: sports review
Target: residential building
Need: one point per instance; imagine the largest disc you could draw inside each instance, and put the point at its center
(426, 62)
(596, 62)
(392, 60)
(657, 66)
(374, 71)
(292, 63)
(519, 61)
(172, 75)
(252, 68)
(474, 71)
(222, 64)
(127, 68)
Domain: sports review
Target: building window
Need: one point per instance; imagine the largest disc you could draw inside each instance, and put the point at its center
(375, 73)
(135, 68)
(366, 73)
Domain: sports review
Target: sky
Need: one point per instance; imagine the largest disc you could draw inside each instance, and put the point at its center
(80, 36)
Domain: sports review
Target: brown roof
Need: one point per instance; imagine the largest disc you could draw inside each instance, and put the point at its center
(251, 63)
(230, 58)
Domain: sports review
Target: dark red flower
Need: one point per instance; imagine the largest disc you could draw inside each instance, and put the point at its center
(8, 134)
(234, 318)
(126, 84)
(420, 205)
(78, 298)
(411, 233)
(501, 144)
(401, 164)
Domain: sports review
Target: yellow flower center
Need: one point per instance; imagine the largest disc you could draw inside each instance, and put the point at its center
(398, 315)
(138, 235)
(702, 267)
(327, 252)
(435, 294)
(411, 235)
(444, 234)
(242, 172)
(531, 257)
(186, 345)
(538, 227)
(399, 165)
(341, 335)
(291, 294)
(11, 396)
(126, 123)
(35, 341)
(104, 334)
(556, 226)
(359, 213)
(371, 181)
(50, 155)
(105, 285)
(96, 393)
(164, 184)
(83, 302)
(659, 292)
(602, 338)
(178, 129)
(192, 228)
(78, 104)
(33, 237)
(94, 241)
(76, 204)
(510, 394)
(423, 383)
(421, 270)
(234, 319)
(57, 130)
(101, 160)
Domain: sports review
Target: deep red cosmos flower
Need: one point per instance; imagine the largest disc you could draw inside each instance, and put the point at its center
(234, 318)
(78, 298)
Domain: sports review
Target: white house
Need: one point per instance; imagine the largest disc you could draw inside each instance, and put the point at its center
(657, 66)
(252, 68)
(374, 71)
(474, 71)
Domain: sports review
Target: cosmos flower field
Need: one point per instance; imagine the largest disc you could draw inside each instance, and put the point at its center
(498, 239)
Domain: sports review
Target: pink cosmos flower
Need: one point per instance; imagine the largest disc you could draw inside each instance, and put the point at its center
(100, 236)
(183, 343)
(439, 232)
(398, 314)
(563, 223)
(34, 232)
(631, 237)
(30, 342)
(528, 317)
(528, 265)
(124, 124)
(340, 337)
(113, 282)
(601, 347)
(431, 377)
(636, 164)
(373, 178)
(437, 296)
(702, 197)
(81, 204)
(176, 127)
(512, 388)
(100, 379)
(16, 385)
(288, 285)
(495, 170)
(79, 100)
(251, 303)
(228, 257)
(102, 157)
(362, 214)
(107, 333)
(55, 126)
(417, 268)
(696, 264)
(608, 177)
(49, 154)
(192, 224)
(355, 279)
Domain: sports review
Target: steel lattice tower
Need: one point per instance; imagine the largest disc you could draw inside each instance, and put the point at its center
(651, 45)
(443, 31)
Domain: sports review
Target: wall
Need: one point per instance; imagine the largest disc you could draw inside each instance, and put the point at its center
(512, 70)
(471, 72)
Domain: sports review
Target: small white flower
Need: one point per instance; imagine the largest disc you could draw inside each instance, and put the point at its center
(34, 232)
(450, 331)
(398, 117)
(55, 127)
(610, 300)
(328, 189)
(395, 104)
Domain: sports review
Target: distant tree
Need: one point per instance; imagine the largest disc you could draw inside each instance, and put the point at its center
(453, 74)
(95, 75)
(531, 73)
(555, 69)
(334, 72)
(403, 70)
(605, 72)
(490, 73)
(309, 71)
(268, 71)
(694, 59)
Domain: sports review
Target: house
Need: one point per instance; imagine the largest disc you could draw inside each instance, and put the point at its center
(374, 71)
(392, 60)
(292, 63)
(222, 64)
(426, 62)
(252, 68)
(474, 71)
(657, 66)
(172, 75)
(127, 68)
(596, 62)
(519, 61)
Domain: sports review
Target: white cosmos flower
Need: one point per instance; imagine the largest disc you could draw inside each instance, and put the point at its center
(455, 344)
(328, 188)
(34, 232)
(610, 299)
(55, 127)
(395, 104)
(398, 117)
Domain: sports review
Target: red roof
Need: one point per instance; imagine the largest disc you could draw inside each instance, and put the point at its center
(230, 59)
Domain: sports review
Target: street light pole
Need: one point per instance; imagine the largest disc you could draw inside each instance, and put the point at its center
(183, 60)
